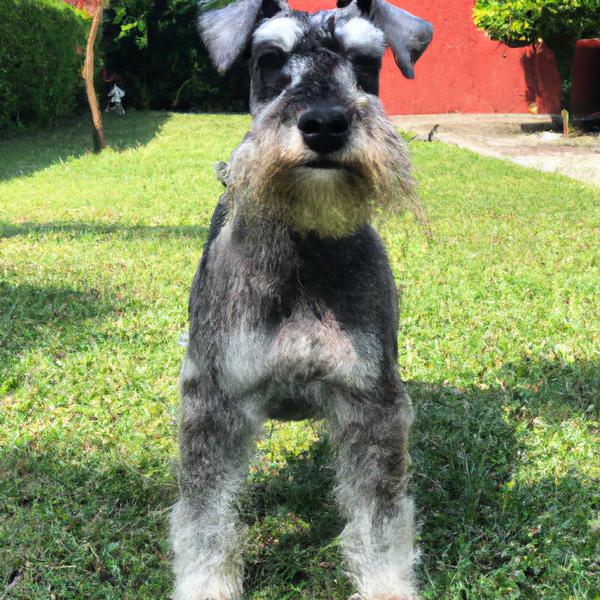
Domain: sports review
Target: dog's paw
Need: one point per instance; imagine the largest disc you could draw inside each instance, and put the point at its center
(200, 596)
(201, 592)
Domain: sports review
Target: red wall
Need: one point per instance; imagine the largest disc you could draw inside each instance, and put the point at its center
(463, 70)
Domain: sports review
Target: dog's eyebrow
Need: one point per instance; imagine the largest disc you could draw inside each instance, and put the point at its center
(359, 35)
(283, 31)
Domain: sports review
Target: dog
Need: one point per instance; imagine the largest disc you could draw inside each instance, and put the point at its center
(293, 309)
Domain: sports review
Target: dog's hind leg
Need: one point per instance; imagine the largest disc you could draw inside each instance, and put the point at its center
(372, 460)
(216, 440)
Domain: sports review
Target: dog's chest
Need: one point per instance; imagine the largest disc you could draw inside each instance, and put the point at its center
(301, 349)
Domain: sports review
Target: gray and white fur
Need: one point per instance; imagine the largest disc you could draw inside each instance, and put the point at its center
(293, 310)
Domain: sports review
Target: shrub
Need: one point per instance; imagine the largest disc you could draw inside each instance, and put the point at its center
(41, 53)
(560, 23)
(154, 47)
(528, 20)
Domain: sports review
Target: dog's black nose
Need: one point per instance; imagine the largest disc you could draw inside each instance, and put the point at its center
(325, 128)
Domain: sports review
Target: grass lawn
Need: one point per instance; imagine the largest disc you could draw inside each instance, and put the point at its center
(499, 344)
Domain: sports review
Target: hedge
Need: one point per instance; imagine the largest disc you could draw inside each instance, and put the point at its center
(42, 46)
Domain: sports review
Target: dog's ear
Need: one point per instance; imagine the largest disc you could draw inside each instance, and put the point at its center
(408, 36)
(227, 25)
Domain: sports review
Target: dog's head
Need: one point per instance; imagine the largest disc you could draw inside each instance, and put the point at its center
(321, 151)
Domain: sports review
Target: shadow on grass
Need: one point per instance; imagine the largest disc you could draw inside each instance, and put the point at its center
(555, 389)
(24, 153)
(463, 452)
(83, 524)
(75, 229)
(475, 522)
(482, 527)
(294, 524)
(36, 316)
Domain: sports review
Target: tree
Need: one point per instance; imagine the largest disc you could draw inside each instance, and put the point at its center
(559, 23)
(88, 76)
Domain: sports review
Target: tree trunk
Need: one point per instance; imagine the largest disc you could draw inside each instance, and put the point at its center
(564, 52)
(88, 76)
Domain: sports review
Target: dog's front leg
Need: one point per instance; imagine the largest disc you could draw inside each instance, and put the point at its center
(215, 439)
(371, 490)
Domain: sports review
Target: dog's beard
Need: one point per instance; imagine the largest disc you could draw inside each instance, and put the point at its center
(271, 173)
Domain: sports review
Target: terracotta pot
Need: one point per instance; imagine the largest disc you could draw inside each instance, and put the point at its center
(585, 87)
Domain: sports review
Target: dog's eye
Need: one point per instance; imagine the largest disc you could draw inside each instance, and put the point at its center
(269, 73)
(271, 60)
(366, 69)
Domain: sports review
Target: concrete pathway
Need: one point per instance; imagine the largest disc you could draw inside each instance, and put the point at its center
(528, 140)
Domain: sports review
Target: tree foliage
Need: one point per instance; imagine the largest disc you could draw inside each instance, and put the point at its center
(529, 20)
(154, 46)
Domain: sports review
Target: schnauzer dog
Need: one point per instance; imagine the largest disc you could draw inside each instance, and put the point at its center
(293, 310)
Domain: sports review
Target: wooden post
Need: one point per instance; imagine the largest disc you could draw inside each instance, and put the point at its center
(88, 76)
(565, 121)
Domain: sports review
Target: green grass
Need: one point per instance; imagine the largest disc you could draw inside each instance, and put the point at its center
(499, 343)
